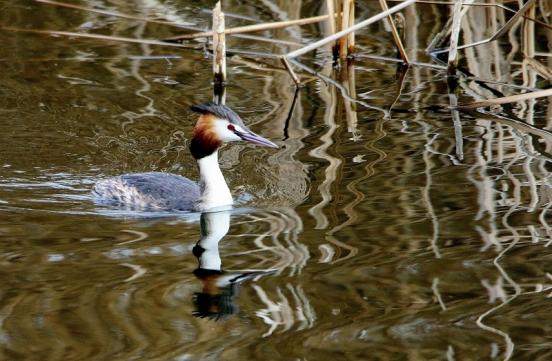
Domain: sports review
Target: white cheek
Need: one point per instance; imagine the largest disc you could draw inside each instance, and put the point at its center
(224, 134)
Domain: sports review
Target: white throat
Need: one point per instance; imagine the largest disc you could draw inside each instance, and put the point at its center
(213, 188)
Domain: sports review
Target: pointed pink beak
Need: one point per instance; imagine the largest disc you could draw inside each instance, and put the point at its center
(256, 139)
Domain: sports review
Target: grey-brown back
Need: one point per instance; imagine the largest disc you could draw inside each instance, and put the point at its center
(151, 191)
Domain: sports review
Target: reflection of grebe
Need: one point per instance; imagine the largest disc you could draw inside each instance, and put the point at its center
(158, 191)
(219, 287)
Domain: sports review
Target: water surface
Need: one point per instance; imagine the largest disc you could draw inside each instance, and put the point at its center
(388, 229)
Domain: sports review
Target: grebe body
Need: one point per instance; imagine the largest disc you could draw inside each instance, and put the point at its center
(159, 191)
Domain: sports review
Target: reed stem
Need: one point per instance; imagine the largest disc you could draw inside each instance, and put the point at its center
(351, 37)
(456, 22)
(345, 32)
(253, 28)
(343, 42)
(396, 35)
(219, 55)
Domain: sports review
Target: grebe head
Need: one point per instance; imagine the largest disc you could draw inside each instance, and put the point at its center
(219, 124)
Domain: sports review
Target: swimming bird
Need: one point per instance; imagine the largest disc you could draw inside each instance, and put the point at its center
(160, 191)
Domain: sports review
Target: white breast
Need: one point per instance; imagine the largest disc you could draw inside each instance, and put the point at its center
(214, 190)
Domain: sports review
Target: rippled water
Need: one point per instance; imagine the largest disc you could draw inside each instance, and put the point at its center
(401, 230)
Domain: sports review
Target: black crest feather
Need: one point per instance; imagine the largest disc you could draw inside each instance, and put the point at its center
(220, 111)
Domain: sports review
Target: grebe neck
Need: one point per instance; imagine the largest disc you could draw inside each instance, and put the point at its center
(214, 192)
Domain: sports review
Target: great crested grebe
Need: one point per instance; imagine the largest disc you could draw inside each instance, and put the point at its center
(159, 191)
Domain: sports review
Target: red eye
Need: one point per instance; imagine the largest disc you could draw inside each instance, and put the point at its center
(231, 127)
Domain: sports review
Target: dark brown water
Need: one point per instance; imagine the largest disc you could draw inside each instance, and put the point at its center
(414, 233)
